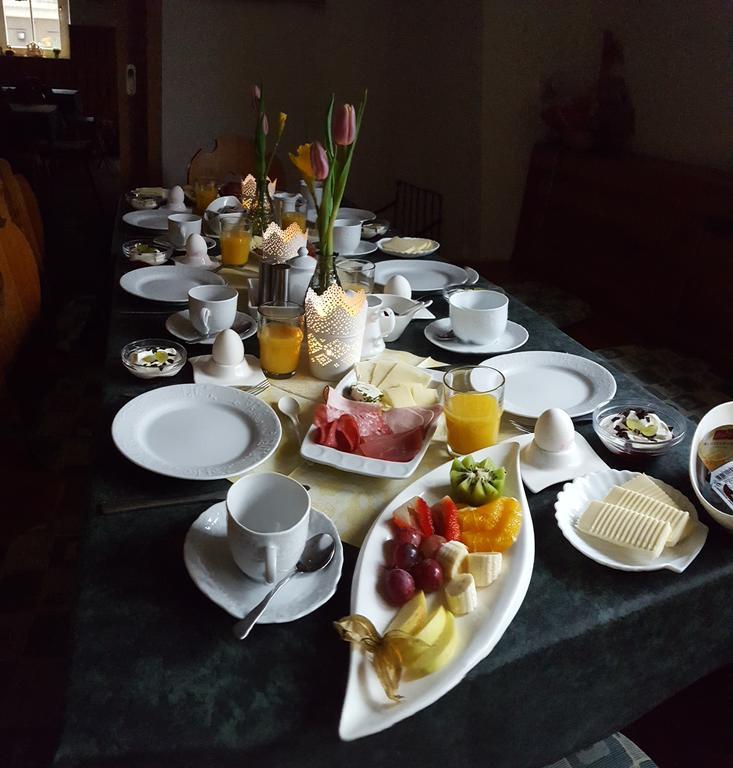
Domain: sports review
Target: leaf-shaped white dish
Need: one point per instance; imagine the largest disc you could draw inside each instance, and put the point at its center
(574, 499)
(366, 709)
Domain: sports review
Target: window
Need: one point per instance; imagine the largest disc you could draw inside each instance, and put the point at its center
(43, 22)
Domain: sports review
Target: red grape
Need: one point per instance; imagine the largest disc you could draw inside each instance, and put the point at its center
(428, 575)
(405, 556)
(408, 536)
(399, 586)
(431, 545)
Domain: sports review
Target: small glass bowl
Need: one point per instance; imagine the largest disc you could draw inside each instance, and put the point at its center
(151, 372)
(128, 245)
(636, 448)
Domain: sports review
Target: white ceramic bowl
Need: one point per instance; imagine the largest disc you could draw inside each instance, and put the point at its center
(717, 417)
(398, 304)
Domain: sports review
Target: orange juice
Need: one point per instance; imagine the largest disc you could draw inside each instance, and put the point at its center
(235, 247)
(279, 348)
(204, 197)
(293, 217)
(472, 419)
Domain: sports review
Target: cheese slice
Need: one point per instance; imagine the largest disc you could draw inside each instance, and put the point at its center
(624, 527)
(646, 485)
(381, 371)
(399, 396)
(646, 505)
(424, 396)
(364, 372)
(402, 373)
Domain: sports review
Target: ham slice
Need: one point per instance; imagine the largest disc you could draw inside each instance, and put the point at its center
(341, 433)
(402, 447)
(369, 416)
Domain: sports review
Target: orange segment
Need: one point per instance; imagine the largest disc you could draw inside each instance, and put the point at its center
(493, 527)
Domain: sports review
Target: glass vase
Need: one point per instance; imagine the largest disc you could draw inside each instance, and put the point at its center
(261, 213)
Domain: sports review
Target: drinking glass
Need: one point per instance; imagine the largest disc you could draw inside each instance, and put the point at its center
(235, 241)
(356, 275)
(206, 192)
(474, 400)
(294, 217)
(280, 335)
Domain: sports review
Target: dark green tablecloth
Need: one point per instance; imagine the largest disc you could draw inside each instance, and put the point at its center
(158, 680)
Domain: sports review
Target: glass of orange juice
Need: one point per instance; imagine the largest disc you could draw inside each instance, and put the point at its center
(280, 334)
(294, 217)
(206, 192)
(474, 399)
(235, 240)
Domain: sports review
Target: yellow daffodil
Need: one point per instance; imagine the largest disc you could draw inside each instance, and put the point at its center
(302, 161)
(281, 123)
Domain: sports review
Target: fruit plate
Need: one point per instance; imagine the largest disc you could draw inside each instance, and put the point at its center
(366, 709)
(574, 499)
(363, 465)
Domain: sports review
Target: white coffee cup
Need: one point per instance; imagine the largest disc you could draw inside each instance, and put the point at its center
(267, 524)
(212, 308)
(181, 225)
(478, 316)
(346, 236)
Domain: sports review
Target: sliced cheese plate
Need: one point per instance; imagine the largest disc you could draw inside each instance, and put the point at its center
(574, 499)
(364, 465)
(366, 709)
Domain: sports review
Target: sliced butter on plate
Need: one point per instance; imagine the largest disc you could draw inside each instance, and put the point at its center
(645, 485)
(625, 528)
(678, 519)
(411, 245)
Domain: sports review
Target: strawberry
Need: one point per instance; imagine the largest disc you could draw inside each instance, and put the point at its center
(423, 517)
(448, 514)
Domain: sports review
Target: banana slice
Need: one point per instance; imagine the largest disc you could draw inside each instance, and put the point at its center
(452, 556)
(460, 594)
(485, 567)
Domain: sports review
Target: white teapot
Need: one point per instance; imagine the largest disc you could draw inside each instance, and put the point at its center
(380, 322)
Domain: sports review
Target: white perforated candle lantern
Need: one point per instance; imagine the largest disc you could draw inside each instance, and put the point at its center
(334, 322)
(249, 190)
(282, 245)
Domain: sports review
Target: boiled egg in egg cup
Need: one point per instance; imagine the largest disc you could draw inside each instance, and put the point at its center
(227, 364)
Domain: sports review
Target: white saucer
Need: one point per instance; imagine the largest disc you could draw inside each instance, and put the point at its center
(210, 565)
(180, 326)
(537, 477)
(363, 249)
(247, 374)
(163, 241)
(513, 338)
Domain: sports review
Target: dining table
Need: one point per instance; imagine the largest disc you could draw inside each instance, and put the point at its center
(158, 679)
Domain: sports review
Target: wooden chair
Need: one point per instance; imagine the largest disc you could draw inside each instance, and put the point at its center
(20, 265)
(415, 212)
(17, 207)
(233, 156)
(34, 211)
(13, 321)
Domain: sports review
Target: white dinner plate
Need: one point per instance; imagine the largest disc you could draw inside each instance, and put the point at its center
(179, 325)
(513, 337)
(167, 284)
(382, 245)
(422, 275)
(156, 219)
(209, 563)
(574, 499)
(365, 465)
(196, 431)
(536, 381)
(356, 213)
(366, 709)
(163, 241)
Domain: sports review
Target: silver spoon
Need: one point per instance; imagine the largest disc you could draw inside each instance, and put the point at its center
(289, 407)
(318, 553)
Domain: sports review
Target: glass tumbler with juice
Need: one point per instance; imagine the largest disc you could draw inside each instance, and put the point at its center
(206, 192)
(235, 240)
(280, 335)
(474, 399)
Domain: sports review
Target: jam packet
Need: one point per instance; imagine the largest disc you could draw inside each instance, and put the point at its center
(716, 448)
(721, 481)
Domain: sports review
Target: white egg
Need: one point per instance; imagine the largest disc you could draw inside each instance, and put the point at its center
(554, 431)
(196, 245)
(176, 199)
(398, 285)
(228, 348)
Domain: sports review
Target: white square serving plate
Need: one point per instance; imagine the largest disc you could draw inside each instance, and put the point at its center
(363, 465)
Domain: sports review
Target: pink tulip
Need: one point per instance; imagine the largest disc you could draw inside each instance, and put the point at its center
(256, 96)
(344, 125)
(265, 125)
(319, 161)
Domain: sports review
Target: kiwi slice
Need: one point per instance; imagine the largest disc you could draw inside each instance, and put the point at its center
(476, 482)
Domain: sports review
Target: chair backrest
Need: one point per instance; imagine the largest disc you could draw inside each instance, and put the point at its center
(13, 323)
(417, 212)
(17, 207)
(21, 265)
(34, 210)
(233, 156)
